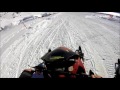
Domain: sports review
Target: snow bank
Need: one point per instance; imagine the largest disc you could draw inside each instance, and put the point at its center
(111, 13)
(14, 18)
(113, 16)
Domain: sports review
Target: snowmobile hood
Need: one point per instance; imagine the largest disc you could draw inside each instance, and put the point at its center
(58, 54)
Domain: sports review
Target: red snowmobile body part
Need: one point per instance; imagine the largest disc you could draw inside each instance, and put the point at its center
(78, 65)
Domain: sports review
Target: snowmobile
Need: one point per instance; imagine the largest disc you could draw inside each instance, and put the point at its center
(62, 62)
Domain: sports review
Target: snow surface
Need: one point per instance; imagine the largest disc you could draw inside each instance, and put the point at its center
(23, 44)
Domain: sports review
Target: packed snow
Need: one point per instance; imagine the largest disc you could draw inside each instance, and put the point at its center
(26, 36)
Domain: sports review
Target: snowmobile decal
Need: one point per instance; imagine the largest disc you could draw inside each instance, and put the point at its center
(56, 57)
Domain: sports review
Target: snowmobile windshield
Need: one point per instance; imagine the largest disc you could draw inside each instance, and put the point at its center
(61, 53)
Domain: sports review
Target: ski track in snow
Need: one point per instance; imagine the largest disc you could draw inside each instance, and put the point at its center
(21, 46)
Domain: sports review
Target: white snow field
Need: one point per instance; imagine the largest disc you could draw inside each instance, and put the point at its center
(22, 45)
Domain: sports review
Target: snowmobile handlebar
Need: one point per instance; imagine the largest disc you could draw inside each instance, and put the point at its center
(117, 69)
(117, 64)
(69, 75)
